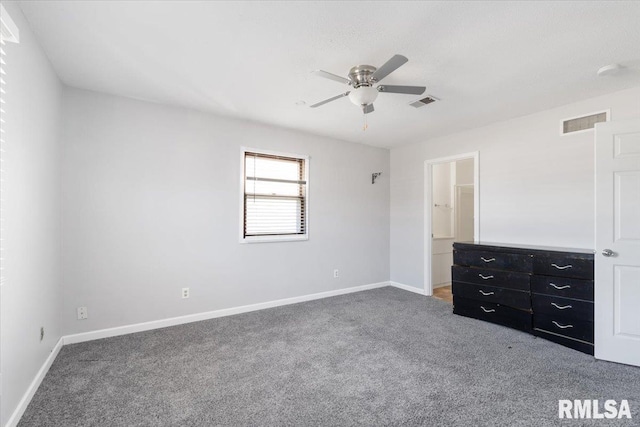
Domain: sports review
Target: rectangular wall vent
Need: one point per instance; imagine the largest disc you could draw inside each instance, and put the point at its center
(583, 123)
(424, 101)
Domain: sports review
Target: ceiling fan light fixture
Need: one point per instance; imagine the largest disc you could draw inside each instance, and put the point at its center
(364, 95)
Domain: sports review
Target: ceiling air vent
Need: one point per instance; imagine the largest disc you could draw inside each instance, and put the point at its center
(424, 101)
(578, 124)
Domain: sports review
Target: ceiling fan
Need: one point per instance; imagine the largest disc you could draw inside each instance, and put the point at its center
(363, 79)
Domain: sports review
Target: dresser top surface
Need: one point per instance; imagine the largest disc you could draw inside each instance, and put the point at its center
(518, 248)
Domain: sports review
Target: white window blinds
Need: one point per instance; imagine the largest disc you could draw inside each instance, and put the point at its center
(8, 33)
(275, 195)
(3, 84)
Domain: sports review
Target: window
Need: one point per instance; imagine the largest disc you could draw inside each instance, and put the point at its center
(274, 196)
(8, 33)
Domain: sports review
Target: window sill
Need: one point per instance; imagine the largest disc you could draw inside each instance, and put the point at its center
(274, 239)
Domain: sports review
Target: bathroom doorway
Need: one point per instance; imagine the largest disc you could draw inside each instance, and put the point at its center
(451, 215)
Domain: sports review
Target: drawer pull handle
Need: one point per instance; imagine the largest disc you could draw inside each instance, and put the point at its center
(487, 260)
(559, 287)
(485, 293)
(490, 310)
(563, 267)
(485, 277)
(561, 326)
(560, 307)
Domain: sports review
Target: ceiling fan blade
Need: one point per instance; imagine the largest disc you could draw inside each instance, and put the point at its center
(330, 76)
(367, 108)
(409, 90)
(329, 100)
(389, 67)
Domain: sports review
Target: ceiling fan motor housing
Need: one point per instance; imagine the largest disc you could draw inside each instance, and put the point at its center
(360, 75)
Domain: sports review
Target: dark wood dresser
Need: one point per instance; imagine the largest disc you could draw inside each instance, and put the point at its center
(545, 291)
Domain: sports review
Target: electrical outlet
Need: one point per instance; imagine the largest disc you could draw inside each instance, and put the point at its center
(41, 333)
(82, 313)
(336, 274)
(185, 292)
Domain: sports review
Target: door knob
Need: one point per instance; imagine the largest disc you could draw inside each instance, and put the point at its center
(608, 252)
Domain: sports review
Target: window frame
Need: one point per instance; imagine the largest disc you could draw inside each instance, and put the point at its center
(272, 238)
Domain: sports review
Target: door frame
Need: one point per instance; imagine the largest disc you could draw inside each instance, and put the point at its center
(428, 205)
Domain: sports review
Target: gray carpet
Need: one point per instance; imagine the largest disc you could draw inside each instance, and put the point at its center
(374, 358)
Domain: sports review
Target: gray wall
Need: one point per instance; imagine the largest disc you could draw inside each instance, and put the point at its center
(152, 204)
(31, 295)
(536, 187)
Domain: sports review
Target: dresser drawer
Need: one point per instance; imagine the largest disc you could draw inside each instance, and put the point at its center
(493, 260)
(576, 329)
(562, 287)
(569, 309)
(487, 277)
(490, 312)
(508, 297)
(582, 346)
(562, 264)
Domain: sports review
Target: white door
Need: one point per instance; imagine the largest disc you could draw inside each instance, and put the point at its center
(617, 259)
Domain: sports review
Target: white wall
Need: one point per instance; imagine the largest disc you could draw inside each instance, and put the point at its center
(151, 205)
(536, 186)
(464, 172)
(442, 215)
(441, 261)
(31, 296)
(463, 201)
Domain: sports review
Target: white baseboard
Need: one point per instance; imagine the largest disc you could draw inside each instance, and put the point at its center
(173, 321)
(163, 323)
(408, 288)
(33, 387)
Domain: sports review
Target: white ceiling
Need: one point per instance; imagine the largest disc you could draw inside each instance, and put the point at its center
(487, 61)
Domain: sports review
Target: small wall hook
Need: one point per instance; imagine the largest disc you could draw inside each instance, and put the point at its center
(375, 176)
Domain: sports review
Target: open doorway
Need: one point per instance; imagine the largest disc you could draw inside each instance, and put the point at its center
(451, 214)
